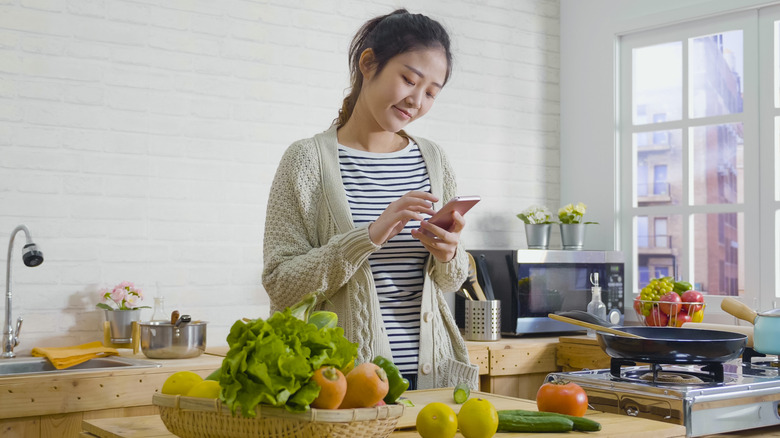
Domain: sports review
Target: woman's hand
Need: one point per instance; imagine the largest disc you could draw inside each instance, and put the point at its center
(441, 243)
(410, 206)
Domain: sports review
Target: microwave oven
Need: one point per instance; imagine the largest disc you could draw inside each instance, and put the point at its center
(534, 283)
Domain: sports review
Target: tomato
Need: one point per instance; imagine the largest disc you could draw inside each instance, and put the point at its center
(692, 296)
(669, 305)
(657, 318)
(562, 397)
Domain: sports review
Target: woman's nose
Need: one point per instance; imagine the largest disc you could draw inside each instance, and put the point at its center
(413, 100)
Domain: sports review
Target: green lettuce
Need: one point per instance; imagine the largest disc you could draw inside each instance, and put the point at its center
(271, 362)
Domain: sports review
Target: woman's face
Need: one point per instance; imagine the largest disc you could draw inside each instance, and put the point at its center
(405, 89)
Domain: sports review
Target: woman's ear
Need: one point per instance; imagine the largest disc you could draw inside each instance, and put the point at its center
(366, 63)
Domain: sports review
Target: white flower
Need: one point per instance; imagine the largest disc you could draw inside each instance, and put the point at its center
(535, 214)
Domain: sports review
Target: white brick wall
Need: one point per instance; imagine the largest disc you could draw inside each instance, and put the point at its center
(138, 138)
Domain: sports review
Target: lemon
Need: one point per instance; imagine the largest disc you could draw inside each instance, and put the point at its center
(179, 383)
(478, 418)
(437, 420)
(205, 389)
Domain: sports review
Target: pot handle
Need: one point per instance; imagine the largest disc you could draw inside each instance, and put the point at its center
(738, 309)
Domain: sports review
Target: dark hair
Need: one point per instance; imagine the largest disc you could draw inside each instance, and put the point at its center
(390, 35)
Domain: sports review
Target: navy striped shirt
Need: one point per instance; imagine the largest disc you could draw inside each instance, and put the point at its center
(372, 181)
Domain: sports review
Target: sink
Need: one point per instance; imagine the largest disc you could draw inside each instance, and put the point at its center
(41, 365)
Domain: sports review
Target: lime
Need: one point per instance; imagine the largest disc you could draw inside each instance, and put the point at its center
(461, 393)
(437, 420)
(205, 389)
(478, 418)
(179, 383)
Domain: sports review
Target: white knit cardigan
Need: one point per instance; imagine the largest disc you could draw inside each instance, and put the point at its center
(311, 244)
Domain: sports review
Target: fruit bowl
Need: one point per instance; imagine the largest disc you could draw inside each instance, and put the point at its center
(668, 313)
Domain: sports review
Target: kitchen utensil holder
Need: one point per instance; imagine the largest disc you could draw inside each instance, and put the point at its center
(135, 342)
(483, 320)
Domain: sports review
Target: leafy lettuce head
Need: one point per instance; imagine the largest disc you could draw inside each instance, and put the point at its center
(271, 362)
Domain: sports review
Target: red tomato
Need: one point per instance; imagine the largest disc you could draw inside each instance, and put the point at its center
(692, 296)
(681, 319)
(670, 307)
(562, 397)
(657, 318)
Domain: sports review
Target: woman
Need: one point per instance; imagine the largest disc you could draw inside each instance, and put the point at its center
(347, 210)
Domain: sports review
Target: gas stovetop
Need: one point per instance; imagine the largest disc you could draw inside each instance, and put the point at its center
(706, 399)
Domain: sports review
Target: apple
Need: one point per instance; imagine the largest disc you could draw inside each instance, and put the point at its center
(657, 318)
(637, 306)
(681, 318)
(669, 303)
(692, 296)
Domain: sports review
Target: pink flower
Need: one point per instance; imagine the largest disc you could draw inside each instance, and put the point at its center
(118, 294)
(124, 295)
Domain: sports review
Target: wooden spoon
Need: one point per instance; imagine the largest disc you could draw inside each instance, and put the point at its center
(598, 328)
(473, 279)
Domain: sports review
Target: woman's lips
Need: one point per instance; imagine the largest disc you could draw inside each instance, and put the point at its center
(403, 113)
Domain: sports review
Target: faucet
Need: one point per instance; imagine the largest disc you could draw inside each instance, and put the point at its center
(31, 256)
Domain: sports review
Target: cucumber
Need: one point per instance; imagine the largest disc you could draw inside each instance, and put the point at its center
(580, 423)
(461, 393)
(508, 421)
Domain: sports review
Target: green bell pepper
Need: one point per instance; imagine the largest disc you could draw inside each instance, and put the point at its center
(395, 381)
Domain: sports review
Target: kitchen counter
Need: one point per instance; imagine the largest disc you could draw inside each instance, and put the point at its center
(49, 405)
(612, 425)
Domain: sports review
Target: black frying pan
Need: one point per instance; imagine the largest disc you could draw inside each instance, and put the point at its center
(671, 345)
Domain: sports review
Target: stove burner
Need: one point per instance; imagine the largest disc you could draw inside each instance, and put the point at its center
(675, 378)
(710, 373)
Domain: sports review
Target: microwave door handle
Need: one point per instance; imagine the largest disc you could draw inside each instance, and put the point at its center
(488, 285)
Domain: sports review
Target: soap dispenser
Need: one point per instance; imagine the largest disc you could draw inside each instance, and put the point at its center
(596, 307)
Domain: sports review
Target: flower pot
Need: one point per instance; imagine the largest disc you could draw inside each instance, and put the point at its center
(538, 235)
(573, 236)
(121, 322)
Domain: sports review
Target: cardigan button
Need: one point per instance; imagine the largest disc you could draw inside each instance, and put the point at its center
(427, 368)
(427, 316)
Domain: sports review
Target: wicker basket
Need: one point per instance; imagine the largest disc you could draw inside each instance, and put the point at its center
(190, 417)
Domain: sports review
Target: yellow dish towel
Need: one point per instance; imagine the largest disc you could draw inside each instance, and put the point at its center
(65, 357)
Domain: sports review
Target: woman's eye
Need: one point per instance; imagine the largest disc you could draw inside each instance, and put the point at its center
(407, 80)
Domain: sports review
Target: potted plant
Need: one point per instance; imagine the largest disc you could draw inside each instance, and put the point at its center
(572, 226)
(538, 224)
(121, 308)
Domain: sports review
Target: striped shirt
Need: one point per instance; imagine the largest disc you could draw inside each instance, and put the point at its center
(372, 181)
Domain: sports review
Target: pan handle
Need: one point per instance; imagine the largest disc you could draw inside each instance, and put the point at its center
(738, 309)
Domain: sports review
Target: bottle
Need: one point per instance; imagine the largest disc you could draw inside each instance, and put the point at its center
(596, 307)
(158, 314)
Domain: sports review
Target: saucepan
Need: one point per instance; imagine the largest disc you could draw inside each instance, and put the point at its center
(669, 345)
(180, 340)
(766, 333)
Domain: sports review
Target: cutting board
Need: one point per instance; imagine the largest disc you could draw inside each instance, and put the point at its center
(613, 425)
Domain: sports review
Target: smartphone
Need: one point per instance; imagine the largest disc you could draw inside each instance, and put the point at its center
(461, 204)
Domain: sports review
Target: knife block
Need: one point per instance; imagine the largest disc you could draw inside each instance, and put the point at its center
(135, 342)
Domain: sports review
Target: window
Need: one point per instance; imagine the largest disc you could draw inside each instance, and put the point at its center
(661, 233)
(704, 192)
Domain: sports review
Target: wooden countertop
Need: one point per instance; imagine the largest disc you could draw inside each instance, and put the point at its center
(59, 393)
(612, 425)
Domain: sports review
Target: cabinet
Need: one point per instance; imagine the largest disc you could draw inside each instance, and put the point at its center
(42, 406)
(515, 367)
(576, 353)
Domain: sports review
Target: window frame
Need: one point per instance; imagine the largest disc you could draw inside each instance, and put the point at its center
(759, 285)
